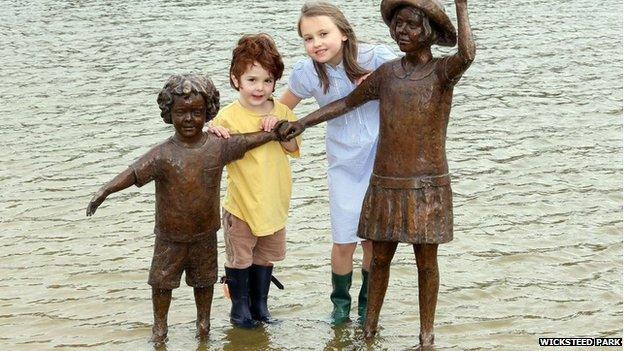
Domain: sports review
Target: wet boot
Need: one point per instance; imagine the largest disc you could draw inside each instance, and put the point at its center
(340, 298)
(259, 284)
(238, 285)
(363, 298)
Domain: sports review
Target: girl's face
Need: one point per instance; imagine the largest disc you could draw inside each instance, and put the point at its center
(322, 39)
(255, 87)
(407, 29)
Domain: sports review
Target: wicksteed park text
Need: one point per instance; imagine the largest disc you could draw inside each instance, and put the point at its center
(580, 341)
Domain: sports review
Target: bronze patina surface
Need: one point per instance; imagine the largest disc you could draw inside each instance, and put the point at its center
(186, 169)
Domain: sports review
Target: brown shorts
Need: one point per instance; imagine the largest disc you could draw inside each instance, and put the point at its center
(242, 248)
(198, 259)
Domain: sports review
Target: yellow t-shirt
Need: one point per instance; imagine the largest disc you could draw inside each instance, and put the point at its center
(258, 185)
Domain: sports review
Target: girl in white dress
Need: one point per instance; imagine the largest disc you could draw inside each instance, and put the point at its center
(335, 66)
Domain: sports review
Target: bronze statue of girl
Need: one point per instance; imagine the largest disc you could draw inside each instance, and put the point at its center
(409, 199)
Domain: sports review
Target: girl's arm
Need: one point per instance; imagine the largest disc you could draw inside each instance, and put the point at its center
(289, 99)
(122, 181)
(466, 50)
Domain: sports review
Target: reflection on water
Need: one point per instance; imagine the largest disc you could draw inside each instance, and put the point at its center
(534, 146)
(241, 339)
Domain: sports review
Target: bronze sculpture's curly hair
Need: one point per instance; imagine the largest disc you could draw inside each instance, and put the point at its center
(256, 48)
(184, 85)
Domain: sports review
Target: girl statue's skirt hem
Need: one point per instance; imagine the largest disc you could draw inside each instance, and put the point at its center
(408, 210)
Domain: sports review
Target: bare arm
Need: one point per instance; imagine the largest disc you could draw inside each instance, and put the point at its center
(290, 146)
(122, 181)
(466, 50)
(289, 99)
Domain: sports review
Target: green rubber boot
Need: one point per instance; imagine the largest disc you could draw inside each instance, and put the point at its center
(340, 298)
(363, 298)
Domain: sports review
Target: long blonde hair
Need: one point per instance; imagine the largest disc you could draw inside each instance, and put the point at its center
(349, 47)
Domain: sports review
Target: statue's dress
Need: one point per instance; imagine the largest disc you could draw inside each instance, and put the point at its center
(409, 198)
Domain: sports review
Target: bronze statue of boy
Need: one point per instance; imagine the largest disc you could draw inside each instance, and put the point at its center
(409, 198)
(187, 171)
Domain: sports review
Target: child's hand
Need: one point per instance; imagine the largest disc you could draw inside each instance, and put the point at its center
(362, 78)
(268, 123)
(96, 201)
(219, 131)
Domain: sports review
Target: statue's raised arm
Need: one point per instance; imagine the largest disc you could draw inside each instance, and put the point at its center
(458, 63)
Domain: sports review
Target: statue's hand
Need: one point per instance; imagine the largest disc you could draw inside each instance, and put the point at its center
(95, 202)
(276, 129)
(288, 130)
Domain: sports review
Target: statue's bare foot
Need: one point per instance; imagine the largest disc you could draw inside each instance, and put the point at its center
(203, 329)
(159, 333)
(426, 341)
(369, 333)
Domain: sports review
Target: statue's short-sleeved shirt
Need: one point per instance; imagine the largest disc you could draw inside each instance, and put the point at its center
(187, 185)
(259, 184)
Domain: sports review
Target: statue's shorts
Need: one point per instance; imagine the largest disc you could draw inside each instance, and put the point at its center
(242, 248)
(197, 259)
(408, 210)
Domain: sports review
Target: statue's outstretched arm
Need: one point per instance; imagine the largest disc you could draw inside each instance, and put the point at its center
(366, 91)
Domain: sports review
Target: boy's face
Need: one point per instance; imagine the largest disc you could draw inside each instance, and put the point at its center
(188, 115)
(255, 86)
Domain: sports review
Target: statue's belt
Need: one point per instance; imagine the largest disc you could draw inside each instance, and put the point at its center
(411, 182)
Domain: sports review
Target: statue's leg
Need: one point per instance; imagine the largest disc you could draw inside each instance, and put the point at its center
(203, 302)
(428, 284)
(161, 299)
(378, 283)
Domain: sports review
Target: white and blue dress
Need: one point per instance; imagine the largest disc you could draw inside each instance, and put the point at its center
(350, 140)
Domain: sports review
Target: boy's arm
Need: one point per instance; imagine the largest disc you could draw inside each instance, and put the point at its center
(458, 63)
(290, 146)
(122, 181)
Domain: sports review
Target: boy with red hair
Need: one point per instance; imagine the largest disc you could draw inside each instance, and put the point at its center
(257, 200)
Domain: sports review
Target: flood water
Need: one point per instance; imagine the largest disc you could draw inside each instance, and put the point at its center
(534, 146)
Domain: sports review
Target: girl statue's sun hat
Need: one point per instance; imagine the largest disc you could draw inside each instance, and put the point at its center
(447, 36)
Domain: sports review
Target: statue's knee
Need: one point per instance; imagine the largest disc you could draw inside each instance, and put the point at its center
(428, 270)
(381, 262)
